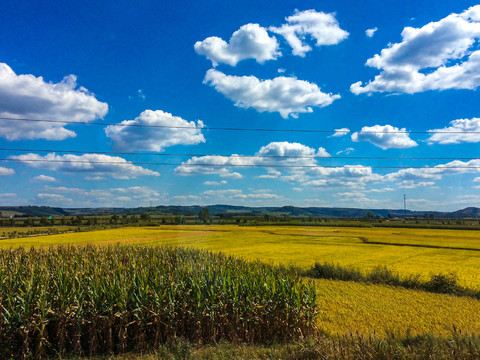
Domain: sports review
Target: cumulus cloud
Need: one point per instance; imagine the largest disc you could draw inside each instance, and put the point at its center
(89, 164)
(27, 96)
(385, 137)
(6, 171)
(55, 199)
(455, 167)
(297, 163)
(130, 196)
(275, 153)
(158, 134)
(371, 32)
(285, 95)
(319, 26)
(412, 184)
(215, 183)
(440, 55)
(239, 194)
(341, 132)
(461, 130)
(44, 178)
(251, 41)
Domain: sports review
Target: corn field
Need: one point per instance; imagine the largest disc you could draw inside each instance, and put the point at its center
(98, 300)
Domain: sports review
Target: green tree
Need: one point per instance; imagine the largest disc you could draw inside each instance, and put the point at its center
(204, 215)
(145, 217)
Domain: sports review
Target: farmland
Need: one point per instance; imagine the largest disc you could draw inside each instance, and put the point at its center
(434, 251)
(344, 307)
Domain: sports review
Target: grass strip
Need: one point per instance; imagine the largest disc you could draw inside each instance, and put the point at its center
(439, 283)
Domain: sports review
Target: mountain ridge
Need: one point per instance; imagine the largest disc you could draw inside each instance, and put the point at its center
(232, 210)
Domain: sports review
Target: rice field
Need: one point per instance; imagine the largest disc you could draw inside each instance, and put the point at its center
(344, 307)
(303, 246)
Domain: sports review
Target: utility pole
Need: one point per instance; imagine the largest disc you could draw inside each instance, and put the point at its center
(404, 206)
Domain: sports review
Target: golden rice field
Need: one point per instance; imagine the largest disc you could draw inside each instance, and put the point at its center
(344, 306)
(303, 246)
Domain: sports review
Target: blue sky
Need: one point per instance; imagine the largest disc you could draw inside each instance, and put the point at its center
(385, 73)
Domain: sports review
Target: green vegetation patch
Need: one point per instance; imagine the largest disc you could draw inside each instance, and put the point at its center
(96, 300)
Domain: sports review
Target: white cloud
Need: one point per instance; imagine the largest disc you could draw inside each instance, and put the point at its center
(385, 137)
(436, 172)
(275, 153)
(440, 55)
(347, 151)
(281, 70)
(319, 26)
(131, 196)
(27, 96)
(341, 132)
(302, 168)
(6, 171)
(89, 164)
(138, 137)
(239, 195)
(371, 32)
(44, 178)
(55, 199)
(412, 184)
(285, 95)
(215, 183)
(251, 41)
(477, 179)
(322, 182)
(187, 197)
(461, 130)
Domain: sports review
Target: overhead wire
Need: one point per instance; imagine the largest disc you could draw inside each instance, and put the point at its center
(239, 156)
(231, 165)
(239, 129)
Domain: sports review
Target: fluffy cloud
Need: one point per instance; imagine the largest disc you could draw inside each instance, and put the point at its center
(157, 135)
(385, 137)
(131, 196)
(215, 183)
(238, 194)
(55, 199)
(462, 130)
(276, 153)
(411, 184)
(91, 164)
(440, 55)
(6, 171)
(27, 96)
(251, 41)
(44, 178)
(341, 132)
(436, 172)
(286, 95)
(371, 32)
(322, 27)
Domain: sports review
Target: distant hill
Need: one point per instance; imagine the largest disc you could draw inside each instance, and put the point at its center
(229, 210)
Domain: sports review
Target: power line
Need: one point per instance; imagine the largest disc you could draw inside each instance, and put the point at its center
(234, 165)
(240, 156)
(238, 129)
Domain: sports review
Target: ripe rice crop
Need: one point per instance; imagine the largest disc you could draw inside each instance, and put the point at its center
(91, 300)
(303, 246)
